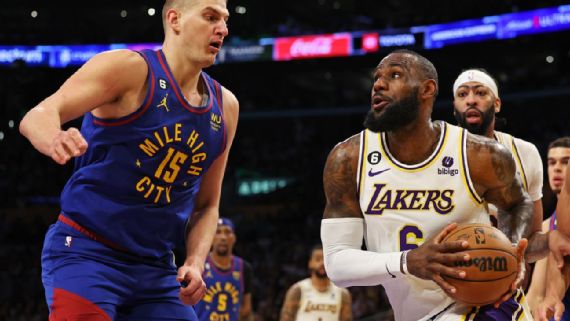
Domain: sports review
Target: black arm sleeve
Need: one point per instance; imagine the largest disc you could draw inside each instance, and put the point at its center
(247, 277)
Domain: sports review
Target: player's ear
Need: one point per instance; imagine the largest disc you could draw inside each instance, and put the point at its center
(497, 105)
(428, 89)
(173, 19)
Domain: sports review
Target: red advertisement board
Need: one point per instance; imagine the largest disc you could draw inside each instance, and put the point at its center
(314, 46)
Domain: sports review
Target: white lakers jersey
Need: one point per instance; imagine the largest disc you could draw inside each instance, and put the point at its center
(404, 205)
(528, 162)
(319, 306)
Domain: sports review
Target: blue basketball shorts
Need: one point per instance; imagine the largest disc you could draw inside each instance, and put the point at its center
(89, 281)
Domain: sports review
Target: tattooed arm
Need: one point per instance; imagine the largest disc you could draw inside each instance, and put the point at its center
(346, 306)
(291, 304)
(493, 172)
(339, 180)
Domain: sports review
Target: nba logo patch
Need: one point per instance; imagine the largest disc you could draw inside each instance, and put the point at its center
(68, 240)
(236, 275)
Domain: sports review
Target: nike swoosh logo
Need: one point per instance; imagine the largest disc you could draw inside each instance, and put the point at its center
(372, 174)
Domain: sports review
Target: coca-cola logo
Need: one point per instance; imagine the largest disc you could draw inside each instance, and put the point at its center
(334, 45)
(312, 47)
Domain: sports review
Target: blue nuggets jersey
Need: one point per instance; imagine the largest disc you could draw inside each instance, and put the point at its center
(224, 292)
(134, 188)
(566, 299)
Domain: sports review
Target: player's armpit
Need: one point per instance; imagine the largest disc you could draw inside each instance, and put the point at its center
(291, 304)
(339, 180)
(346, 306)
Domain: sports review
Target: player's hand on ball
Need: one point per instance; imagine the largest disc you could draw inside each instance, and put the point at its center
(193, 287)
(521, 248)
(434, 258)
(66, 145)
(547, 309)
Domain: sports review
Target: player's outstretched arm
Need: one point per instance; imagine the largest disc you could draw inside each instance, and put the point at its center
(291, 304)
(204, 218)
(104, 79)
(342, 232)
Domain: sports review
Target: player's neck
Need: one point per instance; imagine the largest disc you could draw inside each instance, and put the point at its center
(414, 143)
(223, 262)
(187, 75)
(320, 284)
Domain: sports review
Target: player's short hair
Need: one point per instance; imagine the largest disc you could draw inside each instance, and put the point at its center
(560, 142)
(425, 68)
(314, 248)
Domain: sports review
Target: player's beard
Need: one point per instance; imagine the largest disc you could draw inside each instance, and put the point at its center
(319, 274)
(395, 115)
(223, 251)
(477, 129)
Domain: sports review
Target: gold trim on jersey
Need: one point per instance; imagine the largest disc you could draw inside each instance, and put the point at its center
(469, 316)
(416, 167)
(465, 169)
(363, 152)
(515, 153)
(520, 298)
(519, 162)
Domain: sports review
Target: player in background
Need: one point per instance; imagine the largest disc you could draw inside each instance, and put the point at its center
(316, 298)
(229, 280)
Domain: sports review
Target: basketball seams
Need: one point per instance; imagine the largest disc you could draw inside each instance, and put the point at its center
(476, 281)
(490, 249)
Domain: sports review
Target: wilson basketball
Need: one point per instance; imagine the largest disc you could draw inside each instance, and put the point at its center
(492, 267)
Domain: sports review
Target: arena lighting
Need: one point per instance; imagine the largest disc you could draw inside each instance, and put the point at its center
(123, 13)
(151, 11)
(342, 44)
(34, 13)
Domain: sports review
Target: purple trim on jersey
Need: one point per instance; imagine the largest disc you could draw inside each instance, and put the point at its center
(142, 108)
(466, 167)
(218, 271)
(505, 312)
(178, 90)
(219, 98)
(241, 278)
(553, 221)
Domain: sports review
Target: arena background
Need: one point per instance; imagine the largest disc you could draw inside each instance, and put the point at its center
(292, 114)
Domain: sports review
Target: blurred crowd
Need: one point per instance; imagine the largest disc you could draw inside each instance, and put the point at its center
(292, 115)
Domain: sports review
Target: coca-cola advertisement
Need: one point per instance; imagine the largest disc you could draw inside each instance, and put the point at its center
(314, 46)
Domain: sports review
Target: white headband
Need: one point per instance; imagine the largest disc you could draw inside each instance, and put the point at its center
(477, 76)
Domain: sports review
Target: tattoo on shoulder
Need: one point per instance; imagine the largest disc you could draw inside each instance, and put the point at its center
(339, 177)
(501, 159)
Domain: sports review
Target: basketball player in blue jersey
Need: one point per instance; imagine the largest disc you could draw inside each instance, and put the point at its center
(229, 280)
(401, 183)
(149, 163)
(557, 159)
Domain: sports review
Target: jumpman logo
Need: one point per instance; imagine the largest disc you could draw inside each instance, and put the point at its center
(163, 103)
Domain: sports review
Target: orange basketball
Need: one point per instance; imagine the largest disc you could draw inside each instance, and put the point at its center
(492, 267)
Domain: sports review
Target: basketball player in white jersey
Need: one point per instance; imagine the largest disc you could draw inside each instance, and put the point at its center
(316, 298)
(401, 182)
(476, 101)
